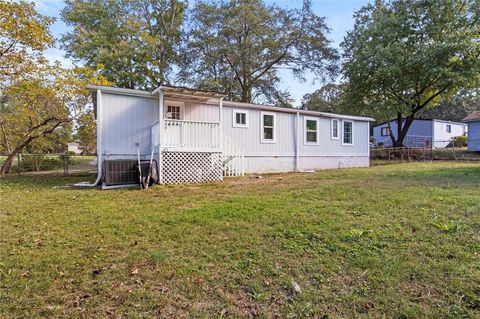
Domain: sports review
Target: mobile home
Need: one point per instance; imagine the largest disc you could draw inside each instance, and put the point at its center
(422, 133)
(197, 136)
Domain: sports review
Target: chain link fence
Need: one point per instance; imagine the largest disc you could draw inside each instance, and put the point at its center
(63, 164)
(453, 151)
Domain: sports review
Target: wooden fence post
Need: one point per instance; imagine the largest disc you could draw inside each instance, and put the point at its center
(65, 164)
(19, 164)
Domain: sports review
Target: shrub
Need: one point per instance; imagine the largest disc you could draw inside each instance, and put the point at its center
(458, 141)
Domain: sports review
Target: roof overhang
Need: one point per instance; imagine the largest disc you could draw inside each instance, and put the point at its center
(294, 110)
(183, 94)
(473, 117)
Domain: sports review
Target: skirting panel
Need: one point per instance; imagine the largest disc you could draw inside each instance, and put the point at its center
(191, 167)
(273, 164)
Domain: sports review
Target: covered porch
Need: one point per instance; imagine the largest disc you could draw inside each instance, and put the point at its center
(189, 120)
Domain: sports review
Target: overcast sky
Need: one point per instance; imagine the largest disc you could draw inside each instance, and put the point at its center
(339, 15)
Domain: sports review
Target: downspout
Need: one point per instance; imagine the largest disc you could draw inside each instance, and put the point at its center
(160, 132)
(99, 143)
(297, 145)
(368, 142)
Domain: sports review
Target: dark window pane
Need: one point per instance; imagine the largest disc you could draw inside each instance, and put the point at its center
(347, 133)
(268, 133)
(268, 120)
(311, 125)
(312, 137)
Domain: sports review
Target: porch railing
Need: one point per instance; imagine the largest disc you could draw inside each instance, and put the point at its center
(191, 134)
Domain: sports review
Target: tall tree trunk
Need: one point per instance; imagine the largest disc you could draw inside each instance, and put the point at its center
(403, 129)
(7, 165)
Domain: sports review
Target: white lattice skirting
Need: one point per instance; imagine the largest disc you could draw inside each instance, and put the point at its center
(191, 167)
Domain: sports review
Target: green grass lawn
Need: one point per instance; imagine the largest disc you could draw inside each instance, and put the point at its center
(395, 241)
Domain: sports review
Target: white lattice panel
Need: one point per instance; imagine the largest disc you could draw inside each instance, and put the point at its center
(191, 167)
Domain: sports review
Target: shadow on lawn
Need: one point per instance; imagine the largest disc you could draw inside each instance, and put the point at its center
(46, 181)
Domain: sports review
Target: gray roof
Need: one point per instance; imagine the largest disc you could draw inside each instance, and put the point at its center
(475, 116)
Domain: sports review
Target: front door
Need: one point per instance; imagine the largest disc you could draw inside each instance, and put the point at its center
(173, 128)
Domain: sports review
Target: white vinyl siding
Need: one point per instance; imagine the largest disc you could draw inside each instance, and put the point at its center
(311, 131)
(347, 132)
(334, 129)
(268, 127)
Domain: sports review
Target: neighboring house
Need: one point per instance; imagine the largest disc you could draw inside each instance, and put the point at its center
(202, 137)
(74, 147)
(473, 122)
(422, 133)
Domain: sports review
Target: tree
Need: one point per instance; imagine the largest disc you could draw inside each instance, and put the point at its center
(24, 34)
(135, 42)
(406, 56)
(329, 98)
(237, 47)
(456, 108)
(86, 131)
(37, 104)
(54, 142)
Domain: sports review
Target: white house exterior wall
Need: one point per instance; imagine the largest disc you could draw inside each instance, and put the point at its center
(441, 137)
(127, 120)
(474, 136)
(200, 112)
(281, 155)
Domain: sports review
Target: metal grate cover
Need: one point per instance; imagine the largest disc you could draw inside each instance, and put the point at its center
(120, 172)
(191, 167)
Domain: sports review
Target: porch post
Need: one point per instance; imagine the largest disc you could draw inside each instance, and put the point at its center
(297, 141)
(99, 132)
(220, 125)
(220, 131)
(160, 135)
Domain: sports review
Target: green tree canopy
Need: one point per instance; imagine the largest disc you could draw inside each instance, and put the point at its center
(328, 98)
(456, 108)
(24, 35)
(86, 132)
(404, 56)
(134, 42)
(238, 46)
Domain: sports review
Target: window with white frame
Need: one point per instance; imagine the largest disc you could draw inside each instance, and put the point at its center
(240, 118)
(449, 128)
(311, 131)
(384, 131)
(347, 133)
(334, 129)
(174, 112)
(268, 127)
